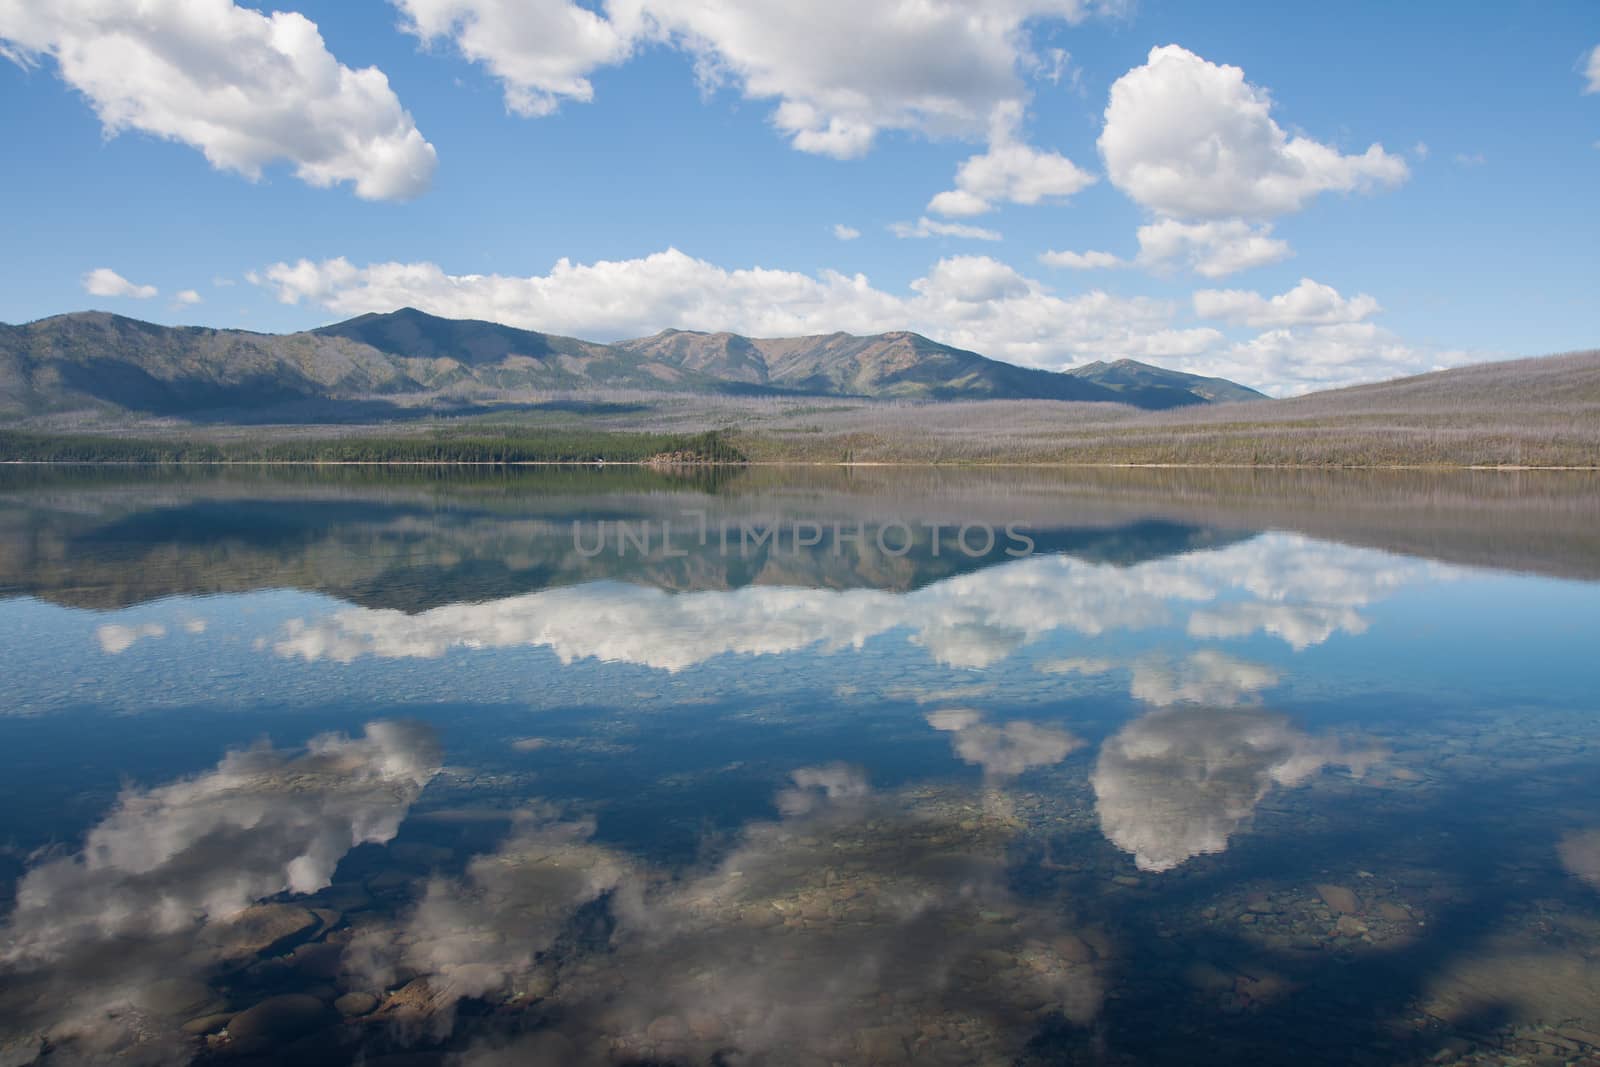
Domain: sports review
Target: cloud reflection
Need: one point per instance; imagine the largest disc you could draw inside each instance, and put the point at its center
(1006, 750)
(781, 950)
(150, 894)
(1298, 590)
(1180, 782)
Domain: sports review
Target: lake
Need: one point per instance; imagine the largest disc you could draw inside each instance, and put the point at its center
(806, 766)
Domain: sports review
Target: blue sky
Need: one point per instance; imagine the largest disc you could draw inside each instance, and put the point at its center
(1326, 193)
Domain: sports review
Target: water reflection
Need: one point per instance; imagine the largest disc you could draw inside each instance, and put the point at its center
(1207, 777)
(860, 927)
(164, 887)
(1299, 591)
(1182, 782)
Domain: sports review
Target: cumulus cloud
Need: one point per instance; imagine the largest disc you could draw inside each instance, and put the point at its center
(926, 227)
(845, 233)
(838, 72)
(1029, 324)
(1209, 249)
(1181, 783)
(186, 297)
(244, 88)
(1005, 750)
(1191, 139)
(1307, 304)
(541, 52)
(1591, 72)
(1082, 260)
(1302, 359)
(1010, 171)
(1196, 145)
(103, 281)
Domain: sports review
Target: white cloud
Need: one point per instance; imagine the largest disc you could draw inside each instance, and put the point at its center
(244, 88)
(1209, 249)
(540, 50)
(186, 297)
(1082, 260)
(1591, 73)
(839, 71)
(103, 281)
(926, 227)
(845, 233)
(1307, 304)
(1420, 150)
(1191, 139)
(1010, 171)
(1470, 159)
(1027, 324)
(1303, 359)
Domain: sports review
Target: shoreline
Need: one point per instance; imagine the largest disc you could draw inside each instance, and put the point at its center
(711, 464)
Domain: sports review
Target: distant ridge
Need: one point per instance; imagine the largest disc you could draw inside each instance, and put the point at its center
(407, 361)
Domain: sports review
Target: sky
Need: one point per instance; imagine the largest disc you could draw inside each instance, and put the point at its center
(1291, 196)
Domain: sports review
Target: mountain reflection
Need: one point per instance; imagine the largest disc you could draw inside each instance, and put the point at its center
(863, 801)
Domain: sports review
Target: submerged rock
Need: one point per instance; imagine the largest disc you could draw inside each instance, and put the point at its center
(353, 1004)
(1343, 901)
(261, 930)
(280, 1018)
(180, 997)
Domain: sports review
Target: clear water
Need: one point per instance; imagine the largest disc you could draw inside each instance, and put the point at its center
(799, 768)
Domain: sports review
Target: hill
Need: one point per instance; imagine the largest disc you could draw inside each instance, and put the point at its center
(1527, 412)
(906, 365)
(404, 363)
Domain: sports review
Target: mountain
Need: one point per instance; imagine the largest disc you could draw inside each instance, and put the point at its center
(898, 364)
(904, 364)
(379, 366)
(1145, 386)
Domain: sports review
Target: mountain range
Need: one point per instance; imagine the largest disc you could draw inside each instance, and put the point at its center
(378, 365)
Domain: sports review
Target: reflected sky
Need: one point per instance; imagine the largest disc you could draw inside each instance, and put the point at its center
(870, 801)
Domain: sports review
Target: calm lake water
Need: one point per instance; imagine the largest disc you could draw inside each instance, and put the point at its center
(813, 767)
